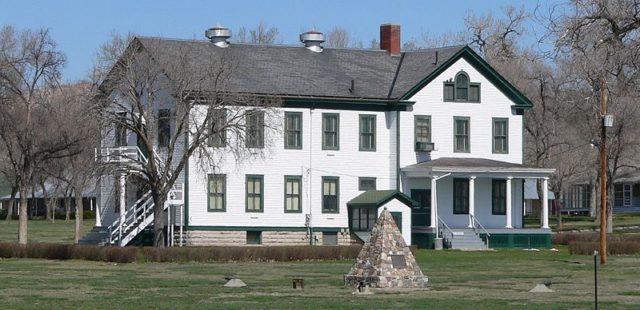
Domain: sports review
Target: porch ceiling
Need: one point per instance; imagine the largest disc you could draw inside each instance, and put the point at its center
(478, 167)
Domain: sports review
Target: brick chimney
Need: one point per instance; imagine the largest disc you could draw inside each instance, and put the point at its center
(390, 38)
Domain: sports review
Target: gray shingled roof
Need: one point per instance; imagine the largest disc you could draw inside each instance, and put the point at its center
(296, 71)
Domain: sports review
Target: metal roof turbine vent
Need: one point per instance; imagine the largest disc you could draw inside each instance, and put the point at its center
(218, 35)
(312, 40)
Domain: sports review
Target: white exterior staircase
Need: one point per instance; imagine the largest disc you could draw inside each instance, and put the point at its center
(140, 214)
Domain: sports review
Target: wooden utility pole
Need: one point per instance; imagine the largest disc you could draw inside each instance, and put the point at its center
(603, 173)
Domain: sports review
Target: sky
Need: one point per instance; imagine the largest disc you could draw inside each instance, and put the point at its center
(80, 27)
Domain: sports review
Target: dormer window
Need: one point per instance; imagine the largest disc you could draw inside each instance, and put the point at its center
(461, 89)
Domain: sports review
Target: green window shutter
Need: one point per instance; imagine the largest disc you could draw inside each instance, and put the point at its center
(330, 131)
(293, 130)
(449, 90)
(461, 133)
(474, 92)
(254, 193)
(500, 139)
(217, 192)
(330, 194)
(367, 132)
(499, 197)
(292, 194)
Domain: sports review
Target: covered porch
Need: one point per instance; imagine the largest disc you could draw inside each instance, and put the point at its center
(474, 196)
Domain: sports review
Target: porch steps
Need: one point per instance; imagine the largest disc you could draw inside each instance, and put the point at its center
(97, 236)
(466, 239)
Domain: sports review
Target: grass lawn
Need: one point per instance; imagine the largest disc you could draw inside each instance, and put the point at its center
(457, 280)
(42, 231)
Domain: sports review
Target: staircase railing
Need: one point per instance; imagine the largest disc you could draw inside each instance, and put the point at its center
(141, 213)
(446, 228)
(474, 222)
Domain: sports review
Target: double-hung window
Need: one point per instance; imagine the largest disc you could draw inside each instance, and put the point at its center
(500, 135)
(216, 190)
(293, 130)
(218, 132)
(499, 197)
(330, 192)
(255, 129)
(460, 196)
(368, 133)
(422, 132)
(292, 193)
(330, 131)
(255, 193)
(461, 134)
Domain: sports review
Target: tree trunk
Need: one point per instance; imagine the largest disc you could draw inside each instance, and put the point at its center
(23, 216)
(79, 214)
(67, 208)
(12, 203)
(558, 203)
(158, 220)
(47, 203)
(610, 202)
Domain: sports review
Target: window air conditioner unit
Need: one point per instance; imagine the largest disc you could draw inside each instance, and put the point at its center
(424, 146)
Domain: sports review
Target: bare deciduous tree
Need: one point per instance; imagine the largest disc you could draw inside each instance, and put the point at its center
(261, 34)
(147, 77)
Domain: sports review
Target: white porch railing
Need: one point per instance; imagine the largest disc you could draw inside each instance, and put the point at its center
(120, 154)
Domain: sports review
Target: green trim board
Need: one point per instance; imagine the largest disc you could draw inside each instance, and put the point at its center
(516, 240)
(520, 100)
(347, 104)
(261, 228)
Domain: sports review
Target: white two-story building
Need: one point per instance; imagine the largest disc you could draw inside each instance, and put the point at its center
(435, 136)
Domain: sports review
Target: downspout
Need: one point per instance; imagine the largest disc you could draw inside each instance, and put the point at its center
(398, 150)
(311, 238)
(186, 183)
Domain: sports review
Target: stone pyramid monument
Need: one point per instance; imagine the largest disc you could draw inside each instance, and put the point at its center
(386, 261)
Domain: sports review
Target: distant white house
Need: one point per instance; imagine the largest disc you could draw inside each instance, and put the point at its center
(434, 134)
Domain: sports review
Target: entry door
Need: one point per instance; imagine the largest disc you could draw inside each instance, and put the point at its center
(421, 215)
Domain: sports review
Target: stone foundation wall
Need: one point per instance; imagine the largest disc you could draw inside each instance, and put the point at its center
(272, 238)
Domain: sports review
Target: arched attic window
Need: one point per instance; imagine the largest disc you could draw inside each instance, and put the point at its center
(461, 89)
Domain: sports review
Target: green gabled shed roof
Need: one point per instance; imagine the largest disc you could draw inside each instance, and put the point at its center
(377, 198)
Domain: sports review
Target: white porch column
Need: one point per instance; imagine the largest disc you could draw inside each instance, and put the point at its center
(472, 193)
(545, 203)
(98, 217)
(434, 204)
(508, 206)
(123, 199)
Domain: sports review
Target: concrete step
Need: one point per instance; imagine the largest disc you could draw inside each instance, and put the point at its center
(466, 239)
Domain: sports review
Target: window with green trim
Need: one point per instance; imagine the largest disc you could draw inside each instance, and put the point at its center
(422, 131)
(501, 135)
(218, 132)
(499, 197)
(164, 127)
(367, 132)
(366, 183)
(363, 219)
(460, 196)
(292, 193)
(293, 130)
(461, 89)
(330, 131)
(330, 193)
(461, 133)
(255, 129)
(216, 190)
(255, 195)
